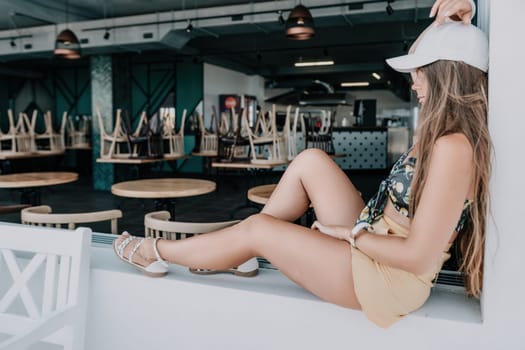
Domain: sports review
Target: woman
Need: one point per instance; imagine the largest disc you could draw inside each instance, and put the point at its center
(382, 257)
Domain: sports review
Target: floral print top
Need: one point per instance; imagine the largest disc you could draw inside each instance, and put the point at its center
(396, 187)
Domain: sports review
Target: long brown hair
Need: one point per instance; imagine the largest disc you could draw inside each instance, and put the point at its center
(456, 102)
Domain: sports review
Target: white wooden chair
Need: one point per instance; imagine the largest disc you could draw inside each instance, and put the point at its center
(111, 144)
(173, 139)
(50, 140)
(43, 294)
(42, 216)
(266, 143)
(158, 225)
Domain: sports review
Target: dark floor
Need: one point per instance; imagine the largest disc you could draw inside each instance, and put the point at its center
(223, 204)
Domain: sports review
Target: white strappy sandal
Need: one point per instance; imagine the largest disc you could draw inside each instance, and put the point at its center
(158, 268)
(249, 268)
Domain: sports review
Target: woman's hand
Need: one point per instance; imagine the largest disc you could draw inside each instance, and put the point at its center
(339, 232)
(457, 10)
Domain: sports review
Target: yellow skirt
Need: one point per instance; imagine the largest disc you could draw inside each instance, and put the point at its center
(387, 294)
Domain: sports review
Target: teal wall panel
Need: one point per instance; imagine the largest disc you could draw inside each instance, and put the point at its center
(190, 91)
(102, 97)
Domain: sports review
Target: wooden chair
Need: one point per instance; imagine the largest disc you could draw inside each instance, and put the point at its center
(146, 140)
(266, 143)
(173, 139)
(12, 208)
(320, 137)
(234, 143)
(157, 225)
(49, 140)
(111, 143)
(209, 145)
(41, 216)
(77, 136)
(44, 289)
(19, 137)
(290, 132)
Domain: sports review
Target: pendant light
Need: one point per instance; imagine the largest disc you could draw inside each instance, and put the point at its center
(300, 24)
(67, 44)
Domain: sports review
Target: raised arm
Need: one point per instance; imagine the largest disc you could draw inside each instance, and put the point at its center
(447, 186)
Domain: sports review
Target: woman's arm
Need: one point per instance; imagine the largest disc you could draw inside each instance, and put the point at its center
(447, 186)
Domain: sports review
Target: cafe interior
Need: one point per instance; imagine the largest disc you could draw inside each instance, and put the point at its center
(123, 115)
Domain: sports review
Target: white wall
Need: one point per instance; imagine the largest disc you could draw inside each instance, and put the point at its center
(219, 81)
(504, 286)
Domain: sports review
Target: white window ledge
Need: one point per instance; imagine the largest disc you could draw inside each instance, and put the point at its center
(187, 311)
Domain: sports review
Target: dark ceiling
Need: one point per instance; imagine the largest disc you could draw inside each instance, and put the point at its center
(357, 35)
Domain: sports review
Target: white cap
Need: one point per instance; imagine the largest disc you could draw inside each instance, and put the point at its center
(454, 41)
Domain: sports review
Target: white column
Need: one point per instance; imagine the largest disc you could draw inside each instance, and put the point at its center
(503, 301)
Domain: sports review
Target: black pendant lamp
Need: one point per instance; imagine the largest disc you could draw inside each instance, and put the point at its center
(67, 44)
(300, 24)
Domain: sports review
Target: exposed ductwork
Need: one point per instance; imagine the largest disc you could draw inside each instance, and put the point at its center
(158, 30)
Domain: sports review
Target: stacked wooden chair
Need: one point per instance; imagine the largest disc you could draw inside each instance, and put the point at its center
(234, 142)
(146, 140)
(20, 137)
(77, 137)
(49, 140)
(267, 144)
(209, 144)
(173, 139)
(290, 132)
(112, 144)
(321, 137)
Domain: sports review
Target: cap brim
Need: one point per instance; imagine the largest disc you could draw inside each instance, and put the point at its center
(409, 63)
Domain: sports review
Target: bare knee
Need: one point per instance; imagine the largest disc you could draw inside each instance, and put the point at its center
(311, 156)
(253, 230)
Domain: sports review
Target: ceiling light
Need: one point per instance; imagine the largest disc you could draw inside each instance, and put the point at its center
(376, 75)
(67, 45)
(355, 83)
(107, 34)
(189, 27)
(300, 24)
(389, 9)
(325, 62)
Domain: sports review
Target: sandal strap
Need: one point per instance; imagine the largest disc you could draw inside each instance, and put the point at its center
(156, 251)
(123, 245)
(134, 250)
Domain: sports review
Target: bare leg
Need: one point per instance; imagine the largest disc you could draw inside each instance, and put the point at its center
(319, 263)
(315, 261)
(314, 177)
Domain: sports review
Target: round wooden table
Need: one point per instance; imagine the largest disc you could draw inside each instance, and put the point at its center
(164, 191)
(260, 194)
(30, 183)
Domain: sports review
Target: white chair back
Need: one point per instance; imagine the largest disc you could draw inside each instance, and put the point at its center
(43, 294)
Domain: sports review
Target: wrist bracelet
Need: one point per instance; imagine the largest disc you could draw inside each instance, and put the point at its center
(356, 231)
